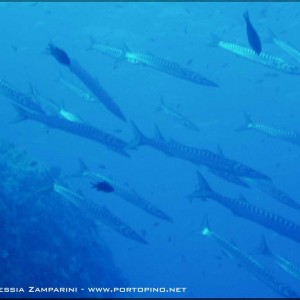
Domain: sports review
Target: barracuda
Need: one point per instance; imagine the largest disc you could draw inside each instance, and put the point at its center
(77, 90)
(87, 79)
(19, 98)
(227, 175)
(192, 154)
(270, 189)
(154, 62)
(282, 134)
(282, 262)
(263, 58)
(59, 111)
(124, 192)
(250, 264)
(104, 215)
(265, 186)
(289, 49)
(177, 116)
(246, 210)
(79, 129)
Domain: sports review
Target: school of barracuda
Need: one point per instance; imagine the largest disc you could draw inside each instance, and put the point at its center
(35, 107)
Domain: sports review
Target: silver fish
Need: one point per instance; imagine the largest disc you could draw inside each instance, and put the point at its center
(282, 262)
(289, 49)
(154, 62)
(124, 192)
(263, 58)
(246, 210)
(279, 133)
(250, 264)
(177, 116)
(104, 215)
(195, 155)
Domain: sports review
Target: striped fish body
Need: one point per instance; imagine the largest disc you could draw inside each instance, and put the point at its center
(181, 119)
(18, 98)
(283, 134)
(109, 50)
(104, 215)
(130, 196)
(252, 266)
(77, 90)
(292, 51)
(264, 58)
(286, 265)
(70, 116)
(168, 67)
(270, 189)
(258, 215)
(94, 86)
(203, 157)
(229, 177)
(79, 129)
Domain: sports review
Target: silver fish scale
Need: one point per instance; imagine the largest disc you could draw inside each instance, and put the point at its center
(263, 58)
(256, 268)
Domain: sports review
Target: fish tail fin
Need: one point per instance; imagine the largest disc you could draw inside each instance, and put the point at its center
(204, 190)
(157, 133)
(32, 90)
(21, 113)
(263, 247)
(91, 44)
(246, 15)
(138, 139)
(161, 103)
(247, 124)
(214, 40)
(83, 168)
(125, 48)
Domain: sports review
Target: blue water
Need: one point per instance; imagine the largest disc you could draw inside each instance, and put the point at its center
(177, 255)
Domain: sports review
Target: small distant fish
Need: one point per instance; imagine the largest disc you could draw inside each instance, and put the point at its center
(253, 37)
(177, 116)
(103, 186)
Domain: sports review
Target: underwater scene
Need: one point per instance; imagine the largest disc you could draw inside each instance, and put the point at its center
(150, 149)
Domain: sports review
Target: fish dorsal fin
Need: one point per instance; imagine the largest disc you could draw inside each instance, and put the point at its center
(79, 192)
(125, 48)
(263, 246)
(242, 198)
(233, 242)
(157, 133)
(220, 151)
(173, 141)
(162, 100)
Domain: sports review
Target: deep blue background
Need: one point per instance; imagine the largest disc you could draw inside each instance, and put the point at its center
(177, 32)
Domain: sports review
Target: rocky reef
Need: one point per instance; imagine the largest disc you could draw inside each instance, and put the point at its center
(45, 241)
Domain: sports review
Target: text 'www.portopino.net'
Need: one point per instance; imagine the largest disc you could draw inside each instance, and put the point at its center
(137, 290)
